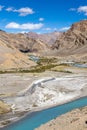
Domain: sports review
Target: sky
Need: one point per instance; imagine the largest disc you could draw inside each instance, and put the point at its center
(41, 16)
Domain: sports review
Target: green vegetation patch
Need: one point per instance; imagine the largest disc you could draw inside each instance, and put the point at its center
(39, 69)
(44, 61)
(64, 71)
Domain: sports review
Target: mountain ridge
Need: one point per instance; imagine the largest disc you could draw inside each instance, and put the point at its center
(73, 40)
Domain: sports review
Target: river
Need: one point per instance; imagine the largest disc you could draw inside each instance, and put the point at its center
(33, 120)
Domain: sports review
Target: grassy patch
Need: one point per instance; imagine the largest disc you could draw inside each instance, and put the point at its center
(61, 68)
(64, 64)
(6, 122)
(4, 108)
(39, 69)
(44, 61)
(63, 71)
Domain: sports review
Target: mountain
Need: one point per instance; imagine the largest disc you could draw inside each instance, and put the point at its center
(74, 41)
(48, 38)
(11, 58)
(23, 43)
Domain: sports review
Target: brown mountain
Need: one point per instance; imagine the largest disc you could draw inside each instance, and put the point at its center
(23, 43)
(74, 41)
(48, 38)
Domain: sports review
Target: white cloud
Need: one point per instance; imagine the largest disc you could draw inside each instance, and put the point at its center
(9, 9)
(55, 29)
(64, 29)
(25, 26)
(47, 29)
(38, 32)
(72, 9)
(41, 19)
(12, 25)
(22, 11)
(1, 7)
(83, 9)
(23, 32)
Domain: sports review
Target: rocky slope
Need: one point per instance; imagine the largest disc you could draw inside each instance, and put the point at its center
(11, 58)
(74, 41)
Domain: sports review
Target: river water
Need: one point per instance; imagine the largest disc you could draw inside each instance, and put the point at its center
(80, 65)
(34, 120)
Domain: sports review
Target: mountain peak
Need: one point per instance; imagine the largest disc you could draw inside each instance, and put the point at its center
(80, 26)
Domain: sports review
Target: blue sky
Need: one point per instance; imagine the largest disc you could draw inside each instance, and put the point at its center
(40, 16)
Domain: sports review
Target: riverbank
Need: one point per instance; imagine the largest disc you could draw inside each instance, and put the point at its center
(74, 120)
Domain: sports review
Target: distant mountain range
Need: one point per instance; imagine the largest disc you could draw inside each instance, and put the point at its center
(48, 38)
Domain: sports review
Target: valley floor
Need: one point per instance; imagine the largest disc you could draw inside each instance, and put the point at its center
(47, 89)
